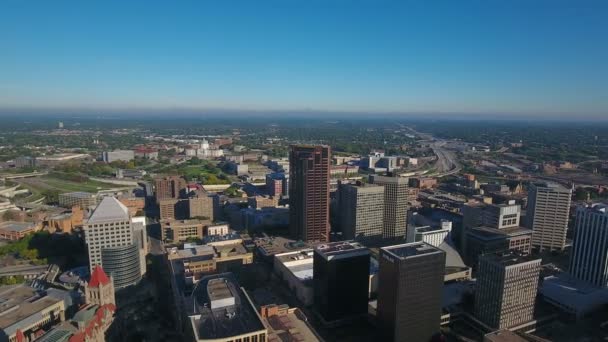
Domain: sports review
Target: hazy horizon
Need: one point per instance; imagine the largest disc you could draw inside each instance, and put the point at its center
(220, 113)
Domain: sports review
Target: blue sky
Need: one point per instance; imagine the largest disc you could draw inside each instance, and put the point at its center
(511, 56)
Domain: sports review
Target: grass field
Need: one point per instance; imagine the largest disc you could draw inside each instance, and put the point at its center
(89, 186)
(37, 185)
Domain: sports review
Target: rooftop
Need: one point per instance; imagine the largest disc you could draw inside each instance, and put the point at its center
(333, 250)
(299, 263)
(19, 303)
(409, 250)
(62, 216)
(291, 326)
(195, 251)
(578, 296)
(60, 333)
(388, 179)
(85, 314)
(78, 194)
(509, 258)
(270, 246)
(110, 209)
(503, 336)
(550, 185)
(489, 233)
(429, 229)
(598, 208)
(295, 256)
(17, 226)
(218, 289)
(225, 321)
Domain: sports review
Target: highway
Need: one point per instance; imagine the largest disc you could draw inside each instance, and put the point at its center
(446, 164)
(446, 160)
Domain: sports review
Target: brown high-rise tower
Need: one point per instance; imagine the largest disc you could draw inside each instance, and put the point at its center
(169, 187)
(309, 192)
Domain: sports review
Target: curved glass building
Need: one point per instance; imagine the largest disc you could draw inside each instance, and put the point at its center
(122, 262)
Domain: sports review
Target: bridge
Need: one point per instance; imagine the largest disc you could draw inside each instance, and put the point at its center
(6, 176)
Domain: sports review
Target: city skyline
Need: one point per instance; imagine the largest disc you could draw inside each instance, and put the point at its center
(511, 60)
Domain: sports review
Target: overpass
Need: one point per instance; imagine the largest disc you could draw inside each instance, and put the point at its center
(7, 176)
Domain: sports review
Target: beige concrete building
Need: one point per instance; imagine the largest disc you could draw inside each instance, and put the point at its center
(506, 289)
(217, 229)
(194, 262)
(180, 230)
(547, 213)
(361, 211)
(66, 222)
(201, 205)
(398, 196)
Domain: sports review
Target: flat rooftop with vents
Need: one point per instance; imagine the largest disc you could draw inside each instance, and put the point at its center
(411, 250)
(342, 249)
(509, 258)
(222, 311)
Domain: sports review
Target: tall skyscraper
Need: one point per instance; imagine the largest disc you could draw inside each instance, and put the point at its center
(589, 258)
(169, 187)
(397, 198)
(506, 289)
(361, 211)
(113, 244)
(496, 216)
(497, 230)
(410, 291)
(548, 211)
(501, 216)
(341, 281)
(309, 192)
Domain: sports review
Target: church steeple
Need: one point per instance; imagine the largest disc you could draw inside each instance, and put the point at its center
(100, 288)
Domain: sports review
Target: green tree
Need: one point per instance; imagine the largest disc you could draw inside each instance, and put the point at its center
(51, 196)
(12, 280)
(581, 194)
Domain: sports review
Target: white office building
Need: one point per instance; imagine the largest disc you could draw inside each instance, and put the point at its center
(115, 243)
(548, 211)
(122, 155)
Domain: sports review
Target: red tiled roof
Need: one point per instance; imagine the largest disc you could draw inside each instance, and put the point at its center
(94, 324)
(98, 277)
(79, 337)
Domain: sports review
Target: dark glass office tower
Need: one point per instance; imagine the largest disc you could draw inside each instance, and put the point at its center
(341, 281)
(309, 192)
(409, 291)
